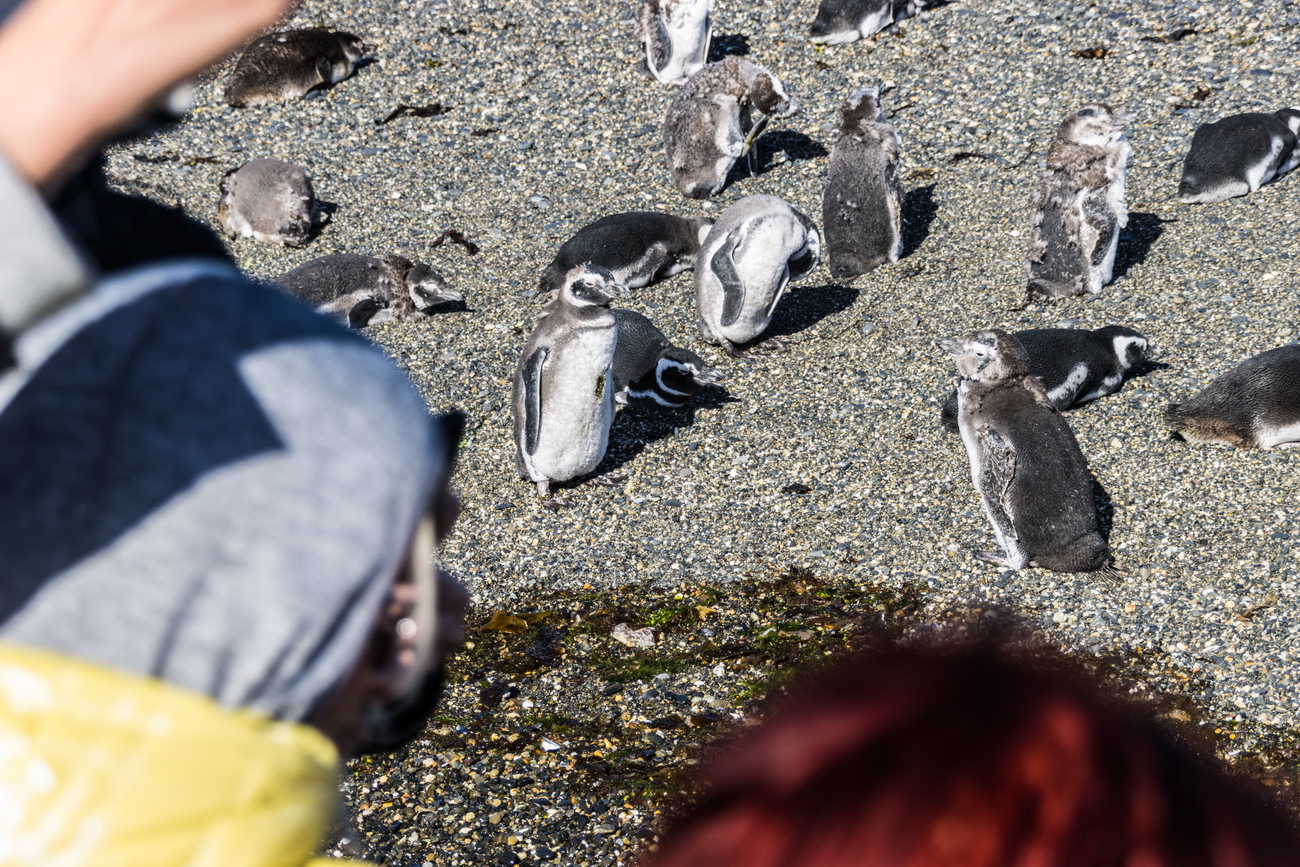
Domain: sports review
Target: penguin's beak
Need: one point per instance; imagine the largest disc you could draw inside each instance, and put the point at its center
(707, 375)
(951, 346)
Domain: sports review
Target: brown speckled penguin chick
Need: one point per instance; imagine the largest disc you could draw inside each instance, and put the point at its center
(270, 201)
(288, 64)
(1080, 207)
(710, 122)
(366, 290)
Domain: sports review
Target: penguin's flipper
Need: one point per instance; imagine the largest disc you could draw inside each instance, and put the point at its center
(532, 374)
(658, 46)
(364, 311)
(997, 476)
(724, 268)
(701, 55)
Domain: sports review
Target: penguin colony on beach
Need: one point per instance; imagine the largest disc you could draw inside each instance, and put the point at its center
(583, 357)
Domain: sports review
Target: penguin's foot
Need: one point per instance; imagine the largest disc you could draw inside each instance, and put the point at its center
(775, 344)
(544, 487)
(609, 480)
(557, 502)
(997, 558)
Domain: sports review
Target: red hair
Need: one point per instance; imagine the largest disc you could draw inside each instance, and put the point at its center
(916, 758)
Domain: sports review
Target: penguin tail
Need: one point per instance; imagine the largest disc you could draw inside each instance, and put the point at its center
(1175, 416)
(1112, 571)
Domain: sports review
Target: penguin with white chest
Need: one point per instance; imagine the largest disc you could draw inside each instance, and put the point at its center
(365, 290)
(648, 370)
(1080, 208)
(638, 248)
(675, 36)
(1075, 365)
(287, 65)
(1239, 154)
(1254, 405)
(1025, 461)
(840, 21)
(563, 398)
(269, 201)
(757, 247)
(862, 206)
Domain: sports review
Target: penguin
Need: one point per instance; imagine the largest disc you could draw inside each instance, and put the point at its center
(270, 201)
(840, 21)
(286, 65)
(1080, 207)
(650, 371)
(675, 36)
(710, 122)
(1075, 365)
(862, 205)
(1025, 461)
(364, 290)
(1239, 154)
(1254, 405)
(638, 247)
(756, 248)
(563, 399)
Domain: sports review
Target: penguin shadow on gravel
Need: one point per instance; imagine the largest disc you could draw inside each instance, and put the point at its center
(919, 211)
(795, 146)
(804, 307)
(1105, 509)
(1136, 240)
(635, 427)
(728, 45)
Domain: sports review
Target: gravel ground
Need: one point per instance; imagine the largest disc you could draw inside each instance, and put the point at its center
(824, 463)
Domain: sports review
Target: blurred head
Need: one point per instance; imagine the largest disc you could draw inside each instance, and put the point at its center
(965, 758)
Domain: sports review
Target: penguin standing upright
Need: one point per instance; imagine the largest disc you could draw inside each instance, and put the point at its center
(840, 21)
(1025, 461)
(756, 248)
(1080, 207)
(862, 206)
(270, 201)
(365, 290)
(563, 398)
(1239, 154)
(1254, 405)
(638, 247)
(650, 371)
(675, 36)
(286, 65)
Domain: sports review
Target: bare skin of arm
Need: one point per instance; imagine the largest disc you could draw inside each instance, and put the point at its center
(73, 72)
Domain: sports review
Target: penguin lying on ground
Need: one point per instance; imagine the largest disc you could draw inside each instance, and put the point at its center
(1080, 207)
(650, 371)
(1254, 405)
(1074, 365)
(286, 65)
(840, 21)
(270, 201)
(364, 290)
(675, 35)
(1025, 461)
(1239, 154)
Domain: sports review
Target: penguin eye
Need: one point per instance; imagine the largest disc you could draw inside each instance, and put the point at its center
(1086, 112)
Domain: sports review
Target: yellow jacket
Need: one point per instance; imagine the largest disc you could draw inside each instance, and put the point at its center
(104, 768)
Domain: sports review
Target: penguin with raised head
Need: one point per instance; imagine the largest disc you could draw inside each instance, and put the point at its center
(840, 21)
(862, 205)
(638, 247)
(365, 290)
(1075, 365)
(563, 399)
(675, 36)
(648, 370)
(711, 122)
(1080, 208)
(757, 247)
(1254, 405)
(1025, 461)
(286, 65)
(270, 201)
(1239, 154)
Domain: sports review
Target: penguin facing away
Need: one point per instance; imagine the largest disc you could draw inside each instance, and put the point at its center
(862, 205)
(1025, 461)
(1254, 405)
(840, 21)
(563, 399)
(1075, 365)
(1239, 154)
(1080, 207)
(270, 201)
(756, 248)
(710, 122)
(365, 290)
(638, 247)
(283, 66)
(650, 371)
(675, 36)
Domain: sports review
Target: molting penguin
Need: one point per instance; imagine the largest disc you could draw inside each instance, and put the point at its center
(674, 34)
(364, 290)
(650, 371)
(286, 65)
(638, 247)
(563, 399)
(1074, 365)
(270, 201)
(756, 248)
(710, 122)
(862, 206)
(1025, 461)
(1239, 154)
(840, 21)
(1080, 207)
(1254, 405)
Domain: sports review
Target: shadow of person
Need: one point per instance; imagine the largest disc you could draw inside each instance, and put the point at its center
(919, 210)
(1135, 241)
